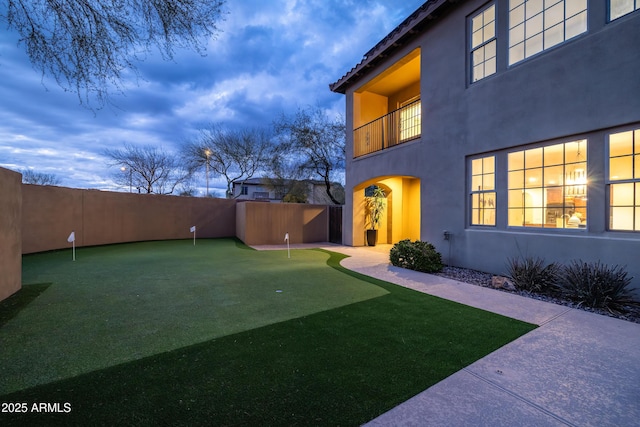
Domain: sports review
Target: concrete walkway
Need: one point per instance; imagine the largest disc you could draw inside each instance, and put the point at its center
(575, 369)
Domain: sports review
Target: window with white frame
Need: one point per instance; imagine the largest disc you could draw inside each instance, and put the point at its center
(483, 191)
(619, 8)
(410, 123)
(547, 186)
(537, 25)
(483, 43)
(624, 180)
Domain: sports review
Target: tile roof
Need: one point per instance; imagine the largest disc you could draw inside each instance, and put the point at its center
(407, 30)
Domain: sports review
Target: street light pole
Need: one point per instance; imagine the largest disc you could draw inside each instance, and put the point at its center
(207, 153)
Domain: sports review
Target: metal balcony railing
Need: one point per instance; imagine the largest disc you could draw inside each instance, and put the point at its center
(396, 127)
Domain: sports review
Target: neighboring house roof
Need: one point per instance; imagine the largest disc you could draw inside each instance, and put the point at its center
(250, 181)
(261, 181)
(425, 15)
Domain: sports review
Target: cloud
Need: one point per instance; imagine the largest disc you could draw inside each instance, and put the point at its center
(270, 58)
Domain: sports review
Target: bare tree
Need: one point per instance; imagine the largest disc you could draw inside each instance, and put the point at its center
(236, 155)
(32, 177)
(147, 168)
(318, 139)
(86, 45)
(284, 176)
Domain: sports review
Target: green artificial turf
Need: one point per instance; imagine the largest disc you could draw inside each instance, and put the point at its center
(10, 307)
(119, 303)
(350, 349)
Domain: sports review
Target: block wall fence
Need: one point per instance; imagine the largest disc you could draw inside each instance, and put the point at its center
(50, 214)
(38, 218)
(10, 236)
(259, 223)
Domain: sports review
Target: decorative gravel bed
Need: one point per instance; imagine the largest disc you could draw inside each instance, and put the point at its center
(479, 278)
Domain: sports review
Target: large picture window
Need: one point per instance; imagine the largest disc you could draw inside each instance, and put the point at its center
(536, 25)
(548, 186)
(483, 191)
(624, 181)
(619, 8)
(483, 43)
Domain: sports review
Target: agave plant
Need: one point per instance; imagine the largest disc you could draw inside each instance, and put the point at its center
(597, 285)
(532, 275)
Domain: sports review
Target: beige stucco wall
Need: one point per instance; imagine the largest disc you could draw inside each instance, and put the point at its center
(370, 106)
(10, 241)
(49, 214)
(411, 209)
(401, 217)
(266, 223)
(35, 218)
(241, 215)
(404, 95)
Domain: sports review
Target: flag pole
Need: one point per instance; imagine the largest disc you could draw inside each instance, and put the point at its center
(193, 230)
(286, 238)
(72, 239)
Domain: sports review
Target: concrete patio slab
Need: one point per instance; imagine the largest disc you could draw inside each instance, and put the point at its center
(581, 369)
(464, 400)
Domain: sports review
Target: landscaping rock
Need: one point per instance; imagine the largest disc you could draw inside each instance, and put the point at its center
(631, 313)
(501, 282)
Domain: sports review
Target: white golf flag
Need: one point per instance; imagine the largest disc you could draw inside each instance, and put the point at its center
(72, 239)
(286, 239)
(193, 229)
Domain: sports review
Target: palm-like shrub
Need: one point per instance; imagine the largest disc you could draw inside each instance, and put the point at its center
(597, 285)
(418, 256)
(532, 275)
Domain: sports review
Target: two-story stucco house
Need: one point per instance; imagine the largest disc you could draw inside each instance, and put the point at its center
(502, 128)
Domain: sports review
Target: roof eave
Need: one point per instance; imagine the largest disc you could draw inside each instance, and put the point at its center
(398, 37)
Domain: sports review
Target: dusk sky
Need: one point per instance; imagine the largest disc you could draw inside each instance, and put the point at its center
(272, 57)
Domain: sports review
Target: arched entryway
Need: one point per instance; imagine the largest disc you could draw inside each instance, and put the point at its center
(401, 217)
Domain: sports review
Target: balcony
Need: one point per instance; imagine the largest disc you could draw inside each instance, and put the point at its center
(394, 128)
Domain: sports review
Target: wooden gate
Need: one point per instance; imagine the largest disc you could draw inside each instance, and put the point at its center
(335, 224)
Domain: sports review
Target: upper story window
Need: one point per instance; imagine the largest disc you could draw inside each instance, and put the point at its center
(410, 125)
(536, 25)
(548, 186)
(618, 8)
(244, 190)
(483, 43)
(624, 181)
(483, 191)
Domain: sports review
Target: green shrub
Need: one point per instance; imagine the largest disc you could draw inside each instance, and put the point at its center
(419, 256)
(532, 275)
(597, 285)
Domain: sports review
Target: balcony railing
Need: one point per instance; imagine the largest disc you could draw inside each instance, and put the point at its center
(394, 128)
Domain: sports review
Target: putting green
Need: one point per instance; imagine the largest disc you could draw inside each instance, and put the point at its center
(120, 303)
